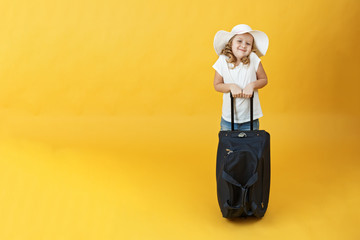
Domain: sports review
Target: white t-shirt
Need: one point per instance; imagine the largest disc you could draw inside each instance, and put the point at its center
(241, 75)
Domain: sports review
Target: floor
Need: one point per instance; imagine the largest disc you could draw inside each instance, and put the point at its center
(153, 177)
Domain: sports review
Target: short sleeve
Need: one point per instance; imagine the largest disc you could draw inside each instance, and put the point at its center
(218, 66)
(255, 60)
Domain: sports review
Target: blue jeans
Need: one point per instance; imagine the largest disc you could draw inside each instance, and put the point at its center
(226, 126)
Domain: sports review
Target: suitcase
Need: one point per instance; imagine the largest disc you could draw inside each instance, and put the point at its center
(243, 170)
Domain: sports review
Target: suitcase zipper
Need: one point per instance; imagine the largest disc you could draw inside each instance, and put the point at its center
(263, 183)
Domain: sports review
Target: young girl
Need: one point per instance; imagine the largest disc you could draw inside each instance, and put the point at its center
(238, 70)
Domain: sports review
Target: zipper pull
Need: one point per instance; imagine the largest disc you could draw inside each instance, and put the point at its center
(229, 151)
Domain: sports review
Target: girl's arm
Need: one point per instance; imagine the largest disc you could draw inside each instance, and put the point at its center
(220, 86)
(259, 83)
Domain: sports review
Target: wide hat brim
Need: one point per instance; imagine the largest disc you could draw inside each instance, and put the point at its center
(261, 40)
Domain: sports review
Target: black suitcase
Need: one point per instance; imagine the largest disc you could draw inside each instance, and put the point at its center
(243, 170)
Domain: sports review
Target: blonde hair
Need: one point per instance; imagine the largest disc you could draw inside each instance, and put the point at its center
(232, 59)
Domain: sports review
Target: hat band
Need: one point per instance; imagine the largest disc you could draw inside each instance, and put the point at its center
(241, 32)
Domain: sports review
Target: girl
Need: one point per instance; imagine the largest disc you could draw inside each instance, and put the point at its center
(238, 70)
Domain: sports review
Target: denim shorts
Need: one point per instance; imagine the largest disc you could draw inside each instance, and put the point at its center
(226, 126)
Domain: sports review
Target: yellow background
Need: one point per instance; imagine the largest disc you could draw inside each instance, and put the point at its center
(109, 119)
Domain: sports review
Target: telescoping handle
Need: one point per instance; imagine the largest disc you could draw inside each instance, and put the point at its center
(251, 112)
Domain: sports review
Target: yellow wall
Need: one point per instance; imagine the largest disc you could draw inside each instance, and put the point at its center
(116, 57)
(104, 104)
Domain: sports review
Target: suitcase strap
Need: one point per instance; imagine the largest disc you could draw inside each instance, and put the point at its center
(244, 192)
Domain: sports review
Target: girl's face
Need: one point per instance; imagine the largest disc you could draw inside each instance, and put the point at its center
(242, 45)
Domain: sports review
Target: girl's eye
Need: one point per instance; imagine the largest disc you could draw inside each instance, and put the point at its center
(239, 40)
(248, 43)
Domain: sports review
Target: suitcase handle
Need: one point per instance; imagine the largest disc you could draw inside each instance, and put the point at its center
(251, 111)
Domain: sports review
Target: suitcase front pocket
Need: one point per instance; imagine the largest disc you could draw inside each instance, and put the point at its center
(239, 174)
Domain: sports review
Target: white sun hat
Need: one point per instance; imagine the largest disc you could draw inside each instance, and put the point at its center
(261, 40)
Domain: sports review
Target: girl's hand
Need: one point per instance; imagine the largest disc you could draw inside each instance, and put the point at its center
(248, 91)
(236, 91)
